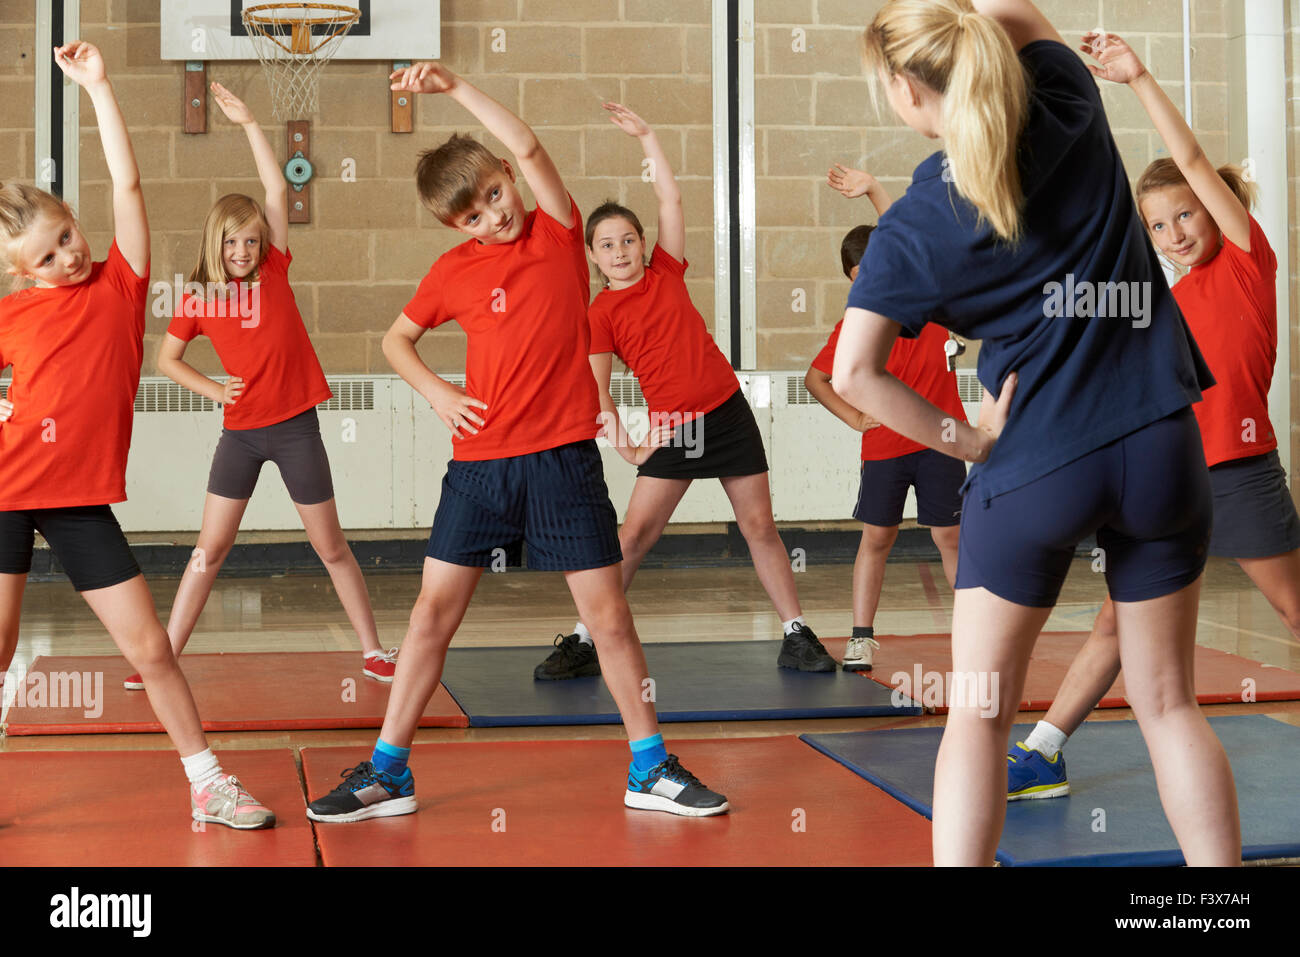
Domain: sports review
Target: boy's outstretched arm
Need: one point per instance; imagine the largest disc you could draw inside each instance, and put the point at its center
(84, 64)
(534, 162)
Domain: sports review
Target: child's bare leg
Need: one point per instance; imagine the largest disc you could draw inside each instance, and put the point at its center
(221, 517)
(127, 612)
(445, 593)
(321, 522)
(945, 539)
(11, 607)
(869, 572)
(1278, 577)
(1091, 674)
(602, 607)
(1157, 639)
(648, 511)
(751, 500)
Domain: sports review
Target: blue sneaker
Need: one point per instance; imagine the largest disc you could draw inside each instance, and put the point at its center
(366, 793)
(1030, 775)
(670, 787)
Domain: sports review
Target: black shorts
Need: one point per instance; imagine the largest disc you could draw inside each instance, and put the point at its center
(1254, 516)
(294, 445)
(938, 479)
(555, 500)
(723, 442)
(1146, 495)
(86, 540)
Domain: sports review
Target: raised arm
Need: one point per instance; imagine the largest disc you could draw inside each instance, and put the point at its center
(852, 183)
(268, 167)
(1117, 62)
(671, 234)
(534, 162)
(82, 63)
(1022, 20)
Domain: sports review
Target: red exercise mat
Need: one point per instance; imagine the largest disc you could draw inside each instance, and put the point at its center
(132, 809)
(294, 691)
(561, 804)
(1219, 675)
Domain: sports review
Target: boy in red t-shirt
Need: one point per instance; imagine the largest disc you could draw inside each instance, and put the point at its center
(525, 465)
(891, 464)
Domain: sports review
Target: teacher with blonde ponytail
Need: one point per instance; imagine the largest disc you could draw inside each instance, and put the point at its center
(1023, 233)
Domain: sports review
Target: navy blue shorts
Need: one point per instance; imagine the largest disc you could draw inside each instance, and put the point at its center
(937, 478)
(1254, 516)
(87, 541)
(554, 500)
(1146, 495)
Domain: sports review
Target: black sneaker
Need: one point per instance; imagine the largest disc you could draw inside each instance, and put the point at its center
(365, 793)
(803, 652)
(572, 658)
(670, 787)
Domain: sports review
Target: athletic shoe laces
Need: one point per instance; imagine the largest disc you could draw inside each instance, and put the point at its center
(670, 768)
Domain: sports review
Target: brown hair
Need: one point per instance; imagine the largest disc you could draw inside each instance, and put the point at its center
(448, 177)
(854, 246)
(610, 210)
(1164, 173)
(968, 59)
(20, 207)
(230, 214)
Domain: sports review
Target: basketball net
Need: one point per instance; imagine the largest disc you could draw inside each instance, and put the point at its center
(293, 42)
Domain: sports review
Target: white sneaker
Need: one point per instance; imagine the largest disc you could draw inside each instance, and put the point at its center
(858, 654)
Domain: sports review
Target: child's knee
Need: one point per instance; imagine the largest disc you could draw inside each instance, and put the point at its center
(879, 538)
(333, 551)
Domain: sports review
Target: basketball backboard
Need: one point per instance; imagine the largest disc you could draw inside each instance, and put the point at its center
(388, 30)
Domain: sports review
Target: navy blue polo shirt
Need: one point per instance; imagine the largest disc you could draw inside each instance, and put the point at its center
(1079, 308)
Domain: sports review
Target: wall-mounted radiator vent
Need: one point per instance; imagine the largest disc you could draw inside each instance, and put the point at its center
(968, 389)
(350, 395)
(626, 391)
(4, 389)
(167, 396)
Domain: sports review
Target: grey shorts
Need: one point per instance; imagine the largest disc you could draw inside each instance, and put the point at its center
(1254, 516)
(294, 445)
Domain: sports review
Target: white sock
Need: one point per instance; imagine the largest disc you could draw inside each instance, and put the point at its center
(1047, 738)
(788, 626)
(202, 768)
(583, 634)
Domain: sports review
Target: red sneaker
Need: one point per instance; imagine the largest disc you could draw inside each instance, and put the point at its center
(133, 683)
(381, 665)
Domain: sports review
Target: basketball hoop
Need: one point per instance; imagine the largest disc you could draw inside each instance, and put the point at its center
(293, 41)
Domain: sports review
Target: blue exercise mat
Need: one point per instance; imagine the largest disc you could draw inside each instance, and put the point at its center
(1110, 774)
(696, 681)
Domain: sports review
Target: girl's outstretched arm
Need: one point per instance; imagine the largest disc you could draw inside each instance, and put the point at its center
(1116, 61)
(671, 234)
(268, 167)
(82, 63)
(853, 183)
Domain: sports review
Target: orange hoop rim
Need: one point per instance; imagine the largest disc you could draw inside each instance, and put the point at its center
(252, 15)
(300, 26)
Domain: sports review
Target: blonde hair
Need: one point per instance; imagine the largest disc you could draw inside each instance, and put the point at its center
(230, 214)
(20, 207)
(967, 58)
(1164, 173)
(448, 177)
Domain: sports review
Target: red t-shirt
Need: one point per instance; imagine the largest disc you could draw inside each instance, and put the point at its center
(919, 364)
(656, 330)
(523, 306)
(76, 355)
(259, 337)
(1230, 304)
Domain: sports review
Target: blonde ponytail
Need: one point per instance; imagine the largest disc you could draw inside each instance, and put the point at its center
(968, 59)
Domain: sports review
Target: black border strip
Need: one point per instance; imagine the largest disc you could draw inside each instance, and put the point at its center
(733, 177)
(56, 100)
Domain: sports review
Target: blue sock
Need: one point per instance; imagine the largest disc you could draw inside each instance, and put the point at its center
(389, 758)
(648, 752)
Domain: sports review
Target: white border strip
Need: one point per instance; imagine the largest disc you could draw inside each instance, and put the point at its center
(748, 202)
(44, 63)
(72, 113)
